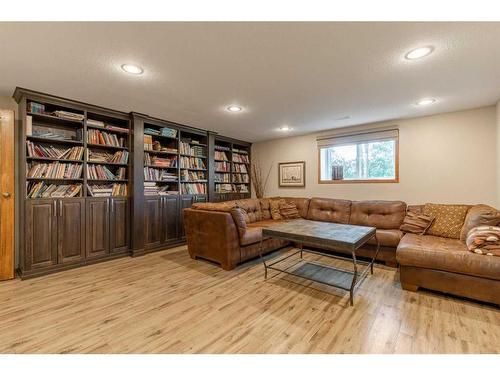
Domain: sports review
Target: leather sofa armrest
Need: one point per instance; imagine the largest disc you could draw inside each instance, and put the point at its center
(212, 235)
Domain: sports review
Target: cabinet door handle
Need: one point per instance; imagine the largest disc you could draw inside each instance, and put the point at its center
(54, 208)
(111, 205)
(60, 208)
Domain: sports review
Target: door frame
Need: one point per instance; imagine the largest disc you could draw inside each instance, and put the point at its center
(7, 194)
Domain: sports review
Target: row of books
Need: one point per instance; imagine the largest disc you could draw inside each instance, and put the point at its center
(167, 162)
(154, 174)
(102, 138)
(240, 151)
(43, 190)
(240, 158)
(241, 188)
(240, 168)
(151, 145)
(193, 188)
(222, 166)
(189, 162)
(192, 176)
(102, 172)
(221, 155)
(222, 148)
(164, 132)
(119, 157)
(108, 190)
(188, 149)
(152, 188)
(238, 177)
(54, 170)
(40, 151)
(223, 188)
(68, 115)
(101, 124)
(222, 177)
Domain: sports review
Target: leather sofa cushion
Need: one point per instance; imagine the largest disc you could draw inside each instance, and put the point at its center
(378, 214)
(265, 223)
(301, 203)
(265, 208)
(387, 237)
(480, 214)
(220, 206)
(331, 210)
(251, 208)
(448, 219)
(445, 254)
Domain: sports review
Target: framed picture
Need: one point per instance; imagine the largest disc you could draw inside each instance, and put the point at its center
(292, 174)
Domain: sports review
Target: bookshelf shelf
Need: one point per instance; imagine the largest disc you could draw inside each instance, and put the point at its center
(53, 140)
(107, 163)
(96, 145)
(55, 119)
(108, 181)
(160, 152)
(52, 179)
(194, 156)
(108, 130)
(53, 159)
(161, 136)
(159, 167)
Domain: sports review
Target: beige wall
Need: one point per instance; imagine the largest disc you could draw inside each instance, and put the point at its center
(498, 154)
(446, 158)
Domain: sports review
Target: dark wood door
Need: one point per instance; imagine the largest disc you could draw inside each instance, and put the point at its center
(41, 233)
(71, 230)
(170, 210)
(119, 225)
(152, 222)
(97, 227)
(186, 201)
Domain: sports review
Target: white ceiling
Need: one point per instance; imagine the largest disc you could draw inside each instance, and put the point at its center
(304, 75)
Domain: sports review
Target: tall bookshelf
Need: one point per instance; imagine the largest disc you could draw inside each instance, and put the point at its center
(74, 208)
(231, 167)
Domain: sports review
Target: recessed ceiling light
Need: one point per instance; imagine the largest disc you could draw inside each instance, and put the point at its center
(234, 108)
(132, 69)
(418, 53)
(426, 101)
(285, 128)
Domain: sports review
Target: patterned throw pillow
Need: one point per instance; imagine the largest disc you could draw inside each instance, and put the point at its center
(274, 207)
(449, 219)
(289, 211)
(416, 223)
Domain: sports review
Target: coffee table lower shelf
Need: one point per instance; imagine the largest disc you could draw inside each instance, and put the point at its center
(322, 273)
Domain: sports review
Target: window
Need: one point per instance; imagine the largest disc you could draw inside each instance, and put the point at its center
(361, 157)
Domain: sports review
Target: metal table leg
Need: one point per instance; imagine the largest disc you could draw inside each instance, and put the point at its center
(262, 258)
(354, 278)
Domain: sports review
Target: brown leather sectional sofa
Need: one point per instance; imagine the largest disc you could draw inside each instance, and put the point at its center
(442, 264)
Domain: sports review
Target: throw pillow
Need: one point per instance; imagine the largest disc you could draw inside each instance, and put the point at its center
(274, 205)
(416, 223)
(478, 215)
(484, 240)
(289, 211)
(449, 219)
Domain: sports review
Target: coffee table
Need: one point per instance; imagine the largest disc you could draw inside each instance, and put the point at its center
(329, 236)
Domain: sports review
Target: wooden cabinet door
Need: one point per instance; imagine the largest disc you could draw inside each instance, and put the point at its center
(170, 230)
(97, 227)
(41, 233)
(119, 225)
(185, 202)
(71, 230)
(152, 222)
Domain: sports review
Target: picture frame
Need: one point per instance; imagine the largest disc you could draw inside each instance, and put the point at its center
(292, 174)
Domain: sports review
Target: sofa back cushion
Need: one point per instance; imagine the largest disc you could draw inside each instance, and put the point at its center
(251, 208)
(301, 203)
(448, 219)
(219, 206)
(378, 214)
(478, 215)
(265, 208)
(331, 210)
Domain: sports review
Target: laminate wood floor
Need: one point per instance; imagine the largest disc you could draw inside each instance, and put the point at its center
(168, 303)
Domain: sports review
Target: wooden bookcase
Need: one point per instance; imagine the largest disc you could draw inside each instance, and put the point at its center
(66, 232)
(231, 165)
